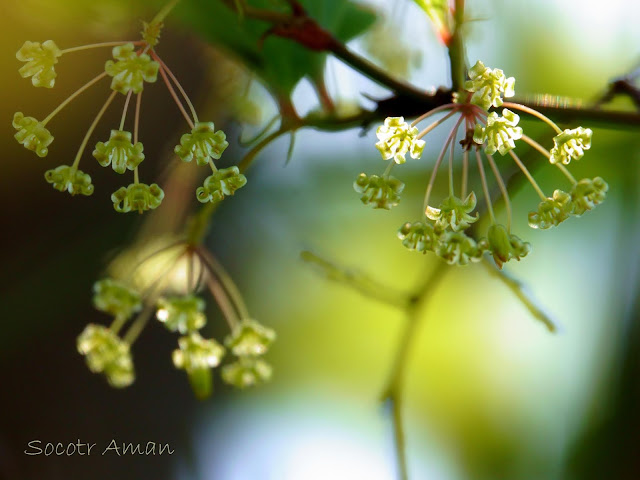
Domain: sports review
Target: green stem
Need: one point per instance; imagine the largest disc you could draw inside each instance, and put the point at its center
(503, 190)
(566, 173)
(72, 96)
(117, 324)
(527, 174)
(178, 85)
(98, 45)
(124, 110)
(358, 281)
(485, 187)
(136, 123)
(520, 291)
(533, 112)
(85, 140)
(218, 271)
(393, 391)
(223, 302)
(174, 95)
(456, 49)
(162, 14)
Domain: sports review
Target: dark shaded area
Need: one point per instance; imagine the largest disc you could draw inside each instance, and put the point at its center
(54, 247)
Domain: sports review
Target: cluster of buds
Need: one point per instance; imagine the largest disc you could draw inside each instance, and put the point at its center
(108, 352)
(134, 64)
(443, 229)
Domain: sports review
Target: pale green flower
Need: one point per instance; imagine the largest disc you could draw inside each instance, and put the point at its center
(499, 133)
(184, 314)
(397, 139)
(453, 212)
(119, 152)
(131, 70)
(250, 338)
(586, 194)
(197, 356)
(202, 143)
(504, 246)
(32, 134)
(418, 236)
(570, 145)
(551, 211)
(457, 248)
(197, 353)
(247, 372)
(71, 179)
(106, 353)
(380, 192)
(137, 197)
(488, 85)
(222, 183)
(40, 60)
(116, 298)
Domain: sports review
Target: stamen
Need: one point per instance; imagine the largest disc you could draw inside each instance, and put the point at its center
(83, 145)
(503, 189)
(533, 112)
(485, 187)
(72, 96)
(528, 175)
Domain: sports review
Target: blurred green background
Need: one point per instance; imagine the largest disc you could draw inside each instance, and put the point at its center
(489, 393)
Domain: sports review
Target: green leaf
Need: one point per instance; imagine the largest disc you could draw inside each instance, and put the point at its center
(281, 63)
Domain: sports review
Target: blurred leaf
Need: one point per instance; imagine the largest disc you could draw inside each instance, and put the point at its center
(281, 63)
(438, 11)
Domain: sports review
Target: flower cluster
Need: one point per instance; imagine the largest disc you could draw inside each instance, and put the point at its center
(248, 342)
(381, 192)
(449, 229)
(104, 350)
(134, 65)
(397, 138)
(223, 182)
(108, 353)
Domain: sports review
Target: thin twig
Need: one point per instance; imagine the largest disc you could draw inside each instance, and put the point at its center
(393, 392)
